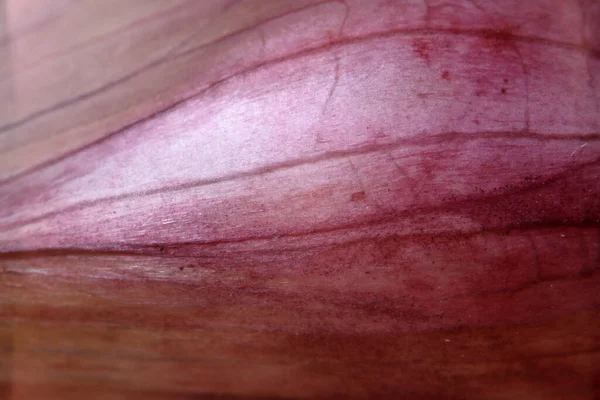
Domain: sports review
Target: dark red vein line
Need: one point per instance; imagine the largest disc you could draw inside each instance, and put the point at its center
(451, 137)
(170, 56)
(290, 164)
(254, 67)
(392, 215)
(331, 44)
(173, 250)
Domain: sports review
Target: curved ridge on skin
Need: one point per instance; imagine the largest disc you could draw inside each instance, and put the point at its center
(430, 21)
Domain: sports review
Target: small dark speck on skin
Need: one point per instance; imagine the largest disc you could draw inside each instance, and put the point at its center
(503, 90)
(162, 249)
(358, 196)
(181, 268)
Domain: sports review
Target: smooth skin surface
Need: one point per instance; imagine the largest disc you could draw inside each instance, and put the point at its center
(299, 199)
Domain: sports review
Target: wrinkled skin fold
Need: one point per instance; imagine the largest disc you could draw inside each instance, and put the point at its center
(307, 199)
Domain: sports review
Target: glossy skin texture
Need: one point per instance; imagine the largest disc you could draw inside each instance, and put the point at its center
(308, 199)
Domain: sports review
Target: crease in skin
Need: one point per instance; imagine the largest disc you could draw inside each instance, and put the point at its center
(429, 140)
(469, 201)
(345, 234)
(344, 154)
